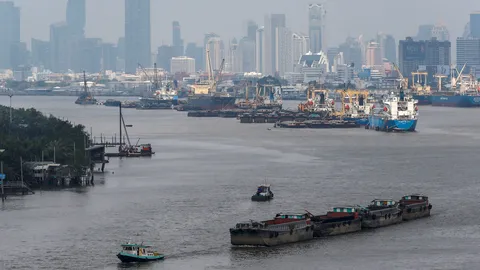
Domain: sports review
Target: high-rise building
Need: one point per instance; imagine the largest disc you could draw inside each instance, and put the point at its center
(234, 62)
(137, 35)
(182, 64)
(197, 53)
(246, 53)
(9, 33)
(424, 32)
(300, 46)
(271, 48)
(109, 56)
(216, 50)
(283, 51)
(60, 47)
(164, 55)
(352, 52)
(316, 29)
(390, 49)
(468, 52)
(252, 28)
(429, 55)
(475, 24)
(373, 54)
(259, 50)
(40, 53)
(177, 41)
(76, 16)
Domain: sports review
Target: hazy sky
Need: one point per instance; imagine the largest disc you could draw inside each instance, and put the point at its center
(105, 18)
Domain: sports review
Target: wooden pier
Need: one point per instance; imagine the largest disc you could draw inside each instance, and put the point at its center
(16, 188)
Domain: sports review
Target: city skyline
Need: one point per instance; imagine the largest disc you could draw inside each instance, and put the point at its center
(377, 16)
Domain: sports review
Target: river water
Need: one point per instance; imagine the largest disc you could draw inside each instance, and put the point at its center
(198, 184)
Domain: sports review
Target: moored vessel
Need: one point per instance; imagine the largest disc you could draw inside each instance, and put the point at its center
(396, 113)
(284, 228)
(415, 206)
(339, 220)
(138, 253)
(381, 213)
(264, 193)
(85, 97)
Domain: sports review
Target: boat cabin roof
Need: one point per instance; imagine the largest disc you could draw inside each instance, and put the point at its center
(264, 185)
(383, 202)
(345, 209)
(136, 245)
(290, 216)
(415, 197)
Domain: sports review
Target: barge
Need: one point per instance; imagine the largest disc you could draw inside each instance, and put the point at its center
(339, 220)
(381, 213)
(283, 229)
(415, 206)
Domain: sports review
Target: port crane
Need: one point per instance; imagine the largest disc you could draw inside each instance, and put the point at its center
(403, 80)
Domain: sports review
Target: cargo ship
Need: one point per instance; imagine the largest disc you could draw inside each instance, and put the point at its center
(467, 96)
(421, 92)
(396, 113)
(283, 229)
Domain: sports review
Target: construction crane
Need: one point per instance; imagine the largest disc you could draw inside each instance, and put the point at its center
(403, 80)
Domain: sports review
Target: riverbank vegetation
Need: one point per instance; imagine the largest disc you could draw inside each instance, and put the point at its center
(32, 136)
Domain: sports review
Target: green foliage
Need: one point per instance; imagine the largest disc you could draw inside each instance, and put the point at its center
(32, 133)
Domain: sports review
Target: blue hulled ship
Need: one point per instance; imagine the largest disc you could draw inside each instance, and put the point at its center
(396, 113)
(462, 101)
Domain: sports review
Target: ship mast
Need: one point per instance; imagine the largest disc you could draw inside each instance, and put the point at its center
(85, 82)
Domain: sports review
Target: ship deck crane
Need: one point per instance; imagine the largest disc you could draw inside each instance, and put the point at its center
(403, 80)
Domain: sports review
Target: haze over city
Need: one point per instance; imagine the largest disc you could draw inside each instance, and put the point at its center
(105, 18)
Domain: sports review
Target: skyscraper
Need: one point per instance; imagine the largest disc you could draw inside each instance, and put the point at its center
(271, 38)
(9, 33)
(468, 52)
(252, 28)
(259, 50)
(76, 17)
(475, 25)
(177, 41)
(137, 35)
(390, 48)
(316, 18)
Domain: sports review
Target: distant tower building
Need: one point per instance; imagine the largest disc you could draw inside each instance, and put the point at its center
(373, 54)
(316, 29)
(424, 32)
(182, 64)
(9, 33)
(252, 28)
(137, 35)
(271, 39)
(216, 48)
(429, 55)
(468, 51)
(475, 25)
(283, 51)
(440, 32)
(332, 54)
(390, 49)
(177, 41)
(197, 53)
(60, 47)
(300, 47)
(76, 17)
(259, 49)
(353, 52)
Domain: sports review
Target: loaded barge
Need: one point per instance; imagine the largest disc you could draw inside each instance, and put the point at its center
(284, 228)
(339, 220)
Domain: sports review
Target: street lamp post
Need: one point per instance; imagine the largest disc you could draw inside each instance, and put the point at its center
(10, 95)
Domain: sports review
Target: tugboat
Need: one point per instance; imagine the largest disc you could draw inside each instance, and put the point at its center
(381, 213)
(85, 97)
(284, 228)
(415, 206)
(263, 194)
(138, 253)
(339, 220)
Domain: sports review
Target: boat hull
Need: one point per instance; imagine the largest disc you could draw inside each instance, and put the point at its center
(456, 101)
(414, 211)
(128, 258)
(381, 218)
(338, 227)
(259, 198)
(210, 103)
(260, 237)
(423, 99)
(382, 124)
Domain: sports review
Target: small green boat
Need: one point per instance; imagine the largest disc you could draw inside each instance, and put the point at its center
(138, 253)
